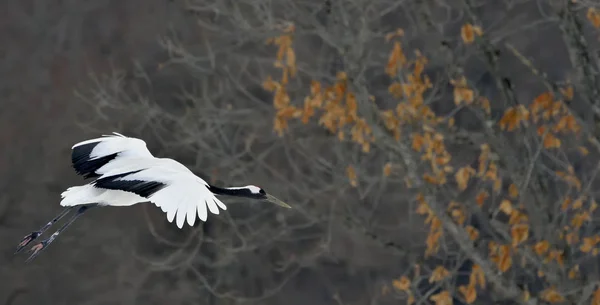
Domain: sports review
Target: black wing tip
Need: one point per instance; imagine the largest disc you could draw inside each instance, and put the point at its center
(139, 187)
(82, 163)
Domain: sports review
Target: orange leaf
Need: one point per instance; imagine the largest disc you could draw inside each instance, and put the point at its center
(541, 247)
(459, 216)
(481, 197)
(270, 85)
(411, 299)
(351, 173)
(462, 177)
(596, 297)
(442, 298)
(469, 293)
(587, 245)
(578, 204)
(485, 104)
(567, 92)
(291, 61)
(468, 32)
(396, 60)
(315, 88)
(565, 204)
(506, 207)
(402, 284)
(579, 219)
(418, 141)
(519, 234)
(513, 117)
(513, 191)
(502, 258)
(550, 295)
(461, 92)
(541, 102)
(594, 17)
(477, 276)
(387, 169)
(438, 274)
(573, 272)
(473, 233)
(550, 141)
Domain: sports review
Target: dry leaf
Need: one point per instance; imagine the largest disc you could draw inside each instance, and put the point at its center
(567, 92)
(573, 272)
(513, 117)
(485, 104)
(519, 234)
(468, 32)
(587, 244)
(351, 173)
(541, 247)
(477, 276)
(438, 274)
(497, 185)
(411, 299)
(594, 17)
(442, 298)
(387, 169)
(462, 177)
(417, 142)
(502, 257)
(402, 284)
(596, 297)
(550, 141)
(481, 197)
(506, 207)
(395, 60)
(513, 191)
(473, 233)
(469, 293)
(550, 295)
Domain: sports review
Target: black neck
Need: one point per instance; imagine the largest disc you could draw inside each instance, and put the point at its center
(241, 192)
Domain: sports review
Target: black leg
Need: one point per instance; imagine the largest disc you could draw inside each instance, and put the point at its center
(35, 234)
(45, 243)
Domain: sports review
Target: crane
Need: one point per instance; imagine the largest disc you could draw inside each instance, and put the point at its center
(125, 173)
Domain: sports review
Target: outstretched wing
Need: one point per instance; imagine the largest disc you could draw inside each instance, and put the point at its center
(169, 185)
(89, 156)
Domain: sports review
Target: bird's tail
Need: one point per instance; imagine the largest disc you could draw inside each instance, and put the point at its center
(78, 195)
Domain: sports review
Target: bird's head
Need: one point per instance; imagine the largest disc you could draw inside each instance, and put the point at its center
(259, 193)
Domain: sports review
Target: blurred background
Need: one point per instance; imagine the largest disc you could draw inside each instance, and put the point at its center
(188, 77)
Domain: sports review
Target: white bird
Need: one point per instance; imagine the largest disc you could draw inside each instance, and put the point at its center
(126, 173)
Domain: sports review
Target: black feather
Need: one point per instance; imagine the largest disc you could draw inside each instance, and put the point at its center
(139, 187)
(238, 192)
(80, 158)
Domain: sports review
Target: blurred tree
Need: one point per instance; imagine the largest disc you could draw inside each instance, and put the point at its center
(440, 151)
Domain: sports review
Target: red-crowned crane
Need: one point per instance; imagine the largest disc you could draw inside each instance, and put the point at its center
(126, 173)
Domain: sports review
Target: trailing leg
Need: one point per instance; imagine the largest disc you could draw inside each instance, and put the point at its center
(35, 234)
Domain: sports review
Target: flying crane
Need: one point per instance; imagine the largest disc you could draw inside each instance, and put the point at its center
(125, 173)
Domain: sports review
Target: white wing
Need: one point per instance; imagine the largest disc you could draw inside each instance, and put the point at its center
(90, 156)
(170, 186)
(125, 164)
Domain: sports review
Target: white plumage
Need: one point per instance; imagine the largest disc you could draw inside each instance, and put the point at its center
(126, 173)
(184, 195)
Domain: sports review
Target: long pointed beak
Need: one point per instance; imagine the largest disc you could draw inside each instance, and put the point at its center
(276, 201)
